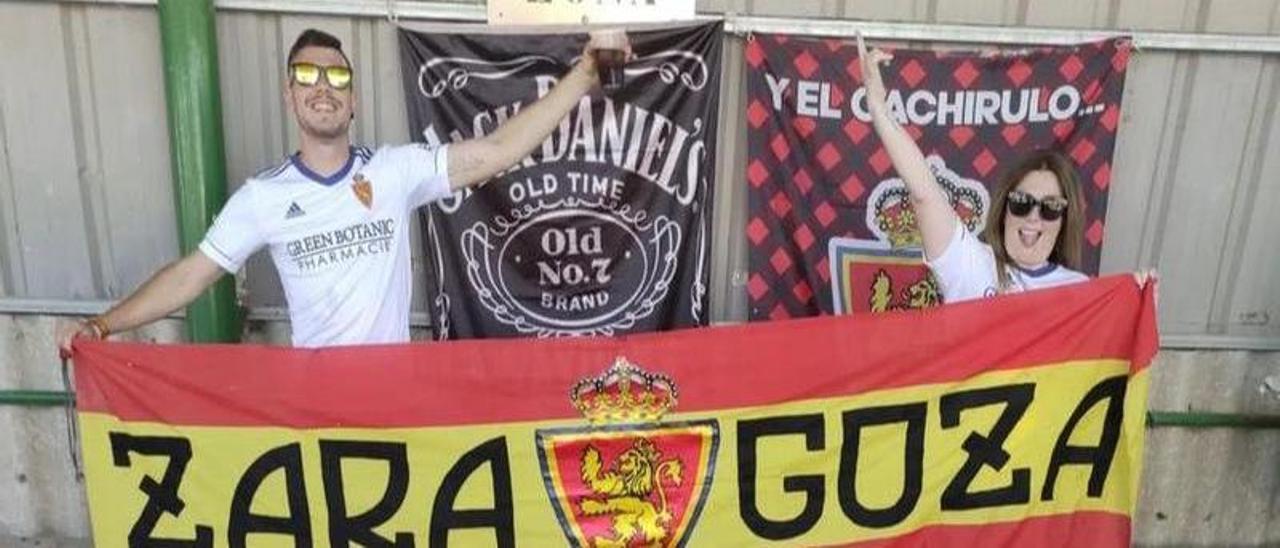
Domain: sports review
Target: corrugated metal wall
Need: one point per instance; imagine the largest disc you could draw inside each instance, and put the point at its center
(86, 205)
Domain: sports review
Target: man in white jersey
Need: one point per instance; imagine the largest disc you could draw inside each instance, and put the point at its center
(335, 217)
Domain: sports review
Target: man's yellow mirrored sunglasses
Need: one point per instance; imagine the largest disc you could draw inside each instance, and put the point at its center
(308, 74)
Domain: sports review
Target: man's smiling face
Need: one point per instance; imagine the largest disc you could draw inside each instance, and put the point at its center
(321, 110)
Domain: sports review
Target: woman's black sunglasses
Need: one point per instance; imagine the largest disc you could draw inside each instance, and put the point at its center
(1051, 209)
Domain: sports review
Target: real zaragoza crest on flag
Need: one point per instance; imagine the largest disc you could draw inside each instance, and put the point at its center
(626, 478)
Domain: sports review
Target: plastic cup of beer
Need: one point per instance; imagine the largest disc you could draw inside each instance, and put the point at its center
(611, 58)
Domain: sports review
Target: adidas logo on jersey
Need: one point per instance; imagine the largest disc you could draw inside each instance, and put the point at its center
(294, 211)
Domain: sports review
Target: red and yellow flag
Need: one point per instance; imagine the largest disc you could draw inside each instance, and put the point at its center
(1009, 421)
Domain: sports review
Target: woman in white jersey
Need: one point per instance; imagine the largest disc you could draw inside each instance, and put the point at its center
(1033, 236)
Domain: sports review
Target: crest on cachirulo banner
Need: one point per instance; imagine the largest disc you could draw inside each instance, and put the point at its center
(889, 273)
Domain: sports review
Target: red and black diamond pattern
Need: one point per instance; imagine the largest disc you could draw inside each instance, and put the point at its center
(809, 176)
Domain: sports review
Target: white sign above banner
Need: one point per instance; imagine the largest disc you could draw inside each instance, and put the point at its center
(544, 12)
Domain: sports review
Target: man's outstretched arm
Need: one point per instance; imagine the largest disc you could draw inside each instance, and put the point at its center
(171, 288)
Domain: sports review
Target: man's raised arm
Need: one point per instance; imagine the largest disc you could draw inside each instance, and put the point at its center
(476, 160)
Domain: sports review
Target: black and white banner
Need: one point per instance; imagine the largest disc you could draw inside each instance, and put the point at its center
(605, 228)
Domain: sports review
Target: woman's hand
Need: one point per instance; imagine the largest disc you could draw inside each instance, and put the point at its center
(872, 81)
(1142, 277)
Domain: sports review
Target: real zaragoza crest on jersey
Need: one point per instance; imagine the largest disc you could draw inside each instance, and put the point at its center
(627, 478)
(363, 190)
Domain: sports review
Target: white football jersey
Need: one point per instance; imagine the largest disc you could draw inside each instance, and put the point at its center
(340, 243)
(967, 270)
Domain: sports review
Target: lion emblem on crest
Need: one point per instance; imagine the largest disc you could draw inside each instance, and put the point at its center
(922, 294)
(624, 491)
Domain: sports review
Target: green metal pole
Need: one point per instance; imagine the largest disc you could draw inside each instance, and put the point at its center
(1193, 419)
(187, 35)
(35, 398)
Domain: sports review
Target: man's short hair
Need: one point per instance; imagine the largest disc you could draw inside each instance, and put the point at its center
(316, 38)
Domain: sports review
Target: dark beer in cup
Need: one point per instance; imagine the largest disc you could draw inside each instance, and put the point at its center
(611, 59)
(612, 66)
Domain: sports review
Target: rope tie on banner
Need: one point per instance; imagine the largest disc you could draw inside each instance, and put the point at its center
(731, 20)
(1132, 40)
(73, 425)
(393, 16)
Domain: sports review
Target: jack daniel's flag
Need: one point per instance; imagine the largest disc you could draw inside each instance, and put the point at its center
(603, 229)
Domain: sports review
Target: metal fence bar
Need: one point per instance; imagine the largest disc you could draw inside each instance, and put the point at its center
(1190, 419)
(743, 24)
(66, 307)
(35, 398)
(1002, 35)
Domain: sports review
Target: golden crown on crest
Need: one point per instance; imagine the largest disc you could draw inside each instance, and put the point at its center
(624, 393)
(895, 217)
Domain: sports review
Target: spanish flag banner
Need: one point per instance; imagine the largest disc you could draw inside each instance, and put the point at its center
(1010, 421)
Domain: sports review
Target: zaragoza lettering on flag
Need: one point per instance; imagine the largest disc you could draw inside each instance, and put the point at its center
(1013, 421)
